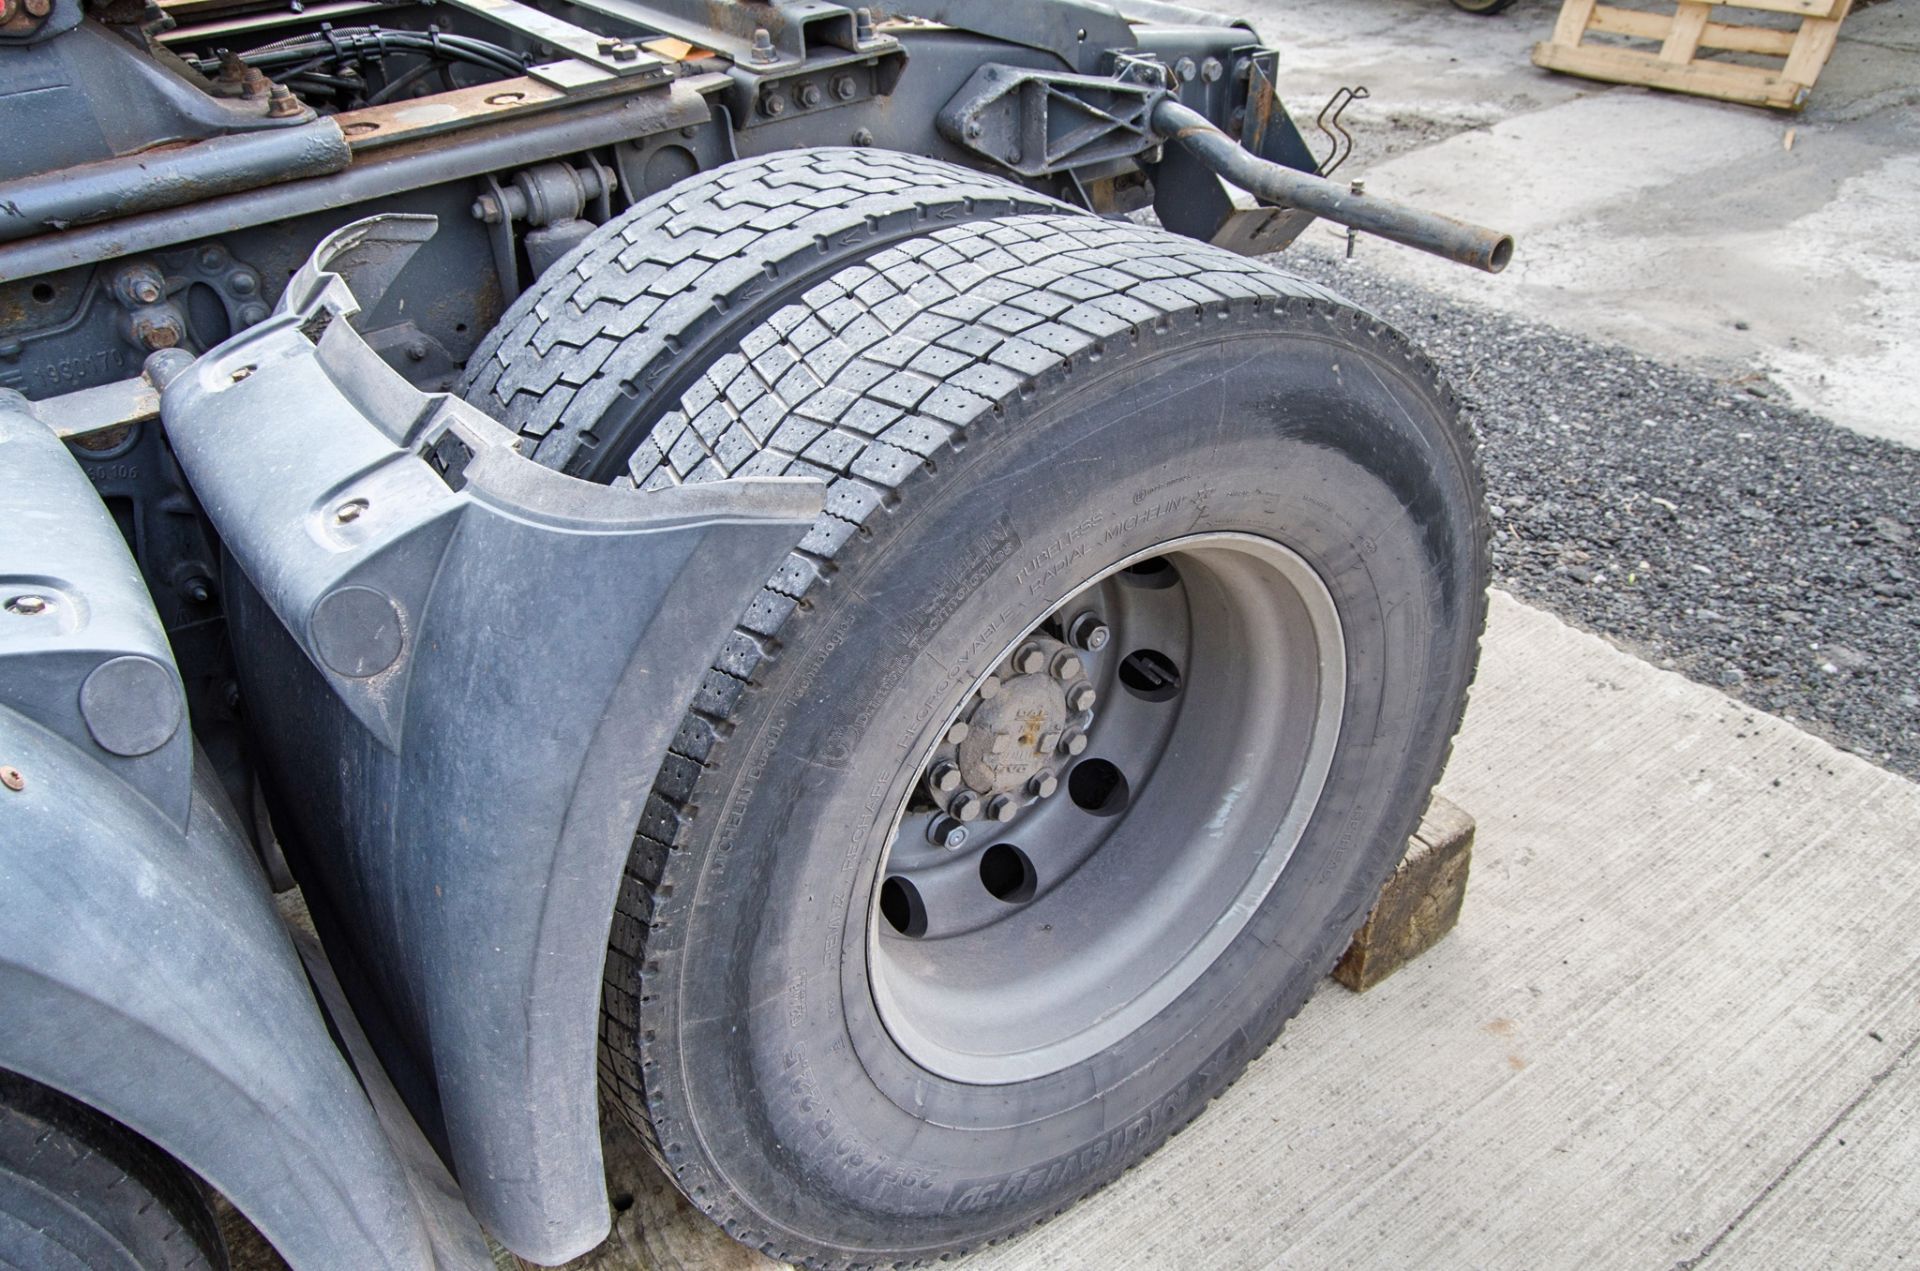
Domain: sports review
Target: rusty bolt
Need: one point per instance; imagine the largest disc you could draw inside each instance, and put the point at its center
(12, 778)
(28, 606)
(957, 733)
(773, 104)
(1003, 808)
(1088, 632)
(350, 511)
(945, 778)
(965, 806)
(162, 330)
(844, 88)
(762, 45)
(944, 831)
(281, 103)
(1043, 785)
(1030, 660)
(1081, 697)
(1073, 741)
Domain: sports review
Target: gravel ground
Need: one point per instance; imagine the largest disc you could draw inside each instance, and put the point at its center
(1705, 524)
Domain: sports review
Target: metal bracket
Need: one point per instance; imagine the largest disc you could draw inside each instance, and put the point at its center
(1037, 123)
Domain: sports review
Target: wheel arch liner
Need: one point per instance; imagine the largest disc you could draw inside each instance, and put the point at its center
(463, 672)
(143, 968)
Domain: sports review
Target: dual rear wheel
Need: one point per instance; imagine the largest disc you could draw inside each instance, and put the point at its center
(1040, 785)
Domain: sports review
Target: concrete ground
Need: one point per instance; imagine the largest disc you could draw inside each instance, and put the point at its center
(1726, 238)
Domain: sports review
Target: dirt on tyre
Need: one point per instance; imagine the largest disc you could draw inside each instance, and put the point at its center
(1035, 792)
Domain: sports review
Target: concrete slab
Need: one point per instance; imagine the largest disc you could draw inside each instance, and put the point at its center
(1688, 967)
(1731, 239)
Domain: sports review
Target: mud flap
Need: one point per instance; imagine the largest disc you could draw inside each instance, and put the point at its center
(462, 670)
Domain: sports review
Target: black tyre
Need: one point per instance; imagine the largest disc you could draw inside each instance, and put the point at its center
(1483, 7)
(1217, 538)
(80, 1191)
(648, 298)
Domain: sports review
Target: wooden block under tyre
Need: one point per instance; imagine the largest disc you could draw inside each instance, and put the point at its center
(1420, 902)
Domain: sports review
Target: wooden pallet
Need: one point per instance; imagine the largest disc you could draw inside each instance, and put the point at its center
(1688, 30)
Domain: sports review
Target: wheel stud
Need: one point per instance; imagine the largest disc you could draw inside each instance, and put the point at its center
(1031, 660)
(1066, 666)
(965, 806)
(1003, 808)
(944, 831)
(1044, 785)
(989, 689)
(946, 778)
(957, 732)
(1081, 697)
(1073, 741)
(1088, 632)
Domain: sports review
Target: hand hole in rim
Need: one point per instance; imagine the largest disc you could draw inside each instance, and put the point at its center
(1006, 873)
(1099, 787)
(1150, 674)
(901, 906)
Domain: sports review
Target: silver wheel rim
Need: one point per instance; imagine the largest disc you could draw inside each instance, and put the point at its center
(1043, 938)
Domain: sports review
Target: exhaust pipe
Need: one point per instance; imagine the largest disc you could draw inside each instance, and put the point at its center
(1429, 232)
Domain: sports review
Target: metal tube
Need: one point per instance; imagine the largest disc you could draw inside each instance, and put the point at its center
(1428, 231)
(156, 179)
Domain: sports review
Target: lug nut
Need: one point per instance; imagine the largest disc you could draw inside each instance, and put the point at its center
(1088, 632)
(1003, 808)
(1081, 697)
(1073, 741)
(965, 806)
(1066, 666)
(944, 831)
(1031, 659)
(989, 689)
(27, 606)
(946, 778)
(957, 732)
(1043, 786)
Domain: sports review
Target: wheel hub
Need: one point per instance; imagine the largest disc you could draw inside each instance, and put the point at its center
(1015, 736)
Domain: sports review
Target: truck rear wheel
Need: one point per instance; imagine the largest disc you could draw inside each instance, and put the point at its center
(80, 1191)
(1039, 787)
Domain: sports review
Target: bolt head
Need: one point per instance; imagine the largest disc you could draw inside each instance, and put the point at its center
(39, 8)
(1074, 742)
(945, 778)
(1066, 666)
(1081, 697)
(773, 104)
(965, 806)
(957, 732)
(810, 95)
(844, 88)
(28, 606)
(12, 778)
(944, 831)
(989, 689)
(1044, 785)
(1030, 660)
(1003, 808)
(1088, 632)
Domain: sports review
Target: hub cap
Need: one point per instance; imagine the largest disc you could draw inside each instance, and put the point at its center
(1106, 808)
